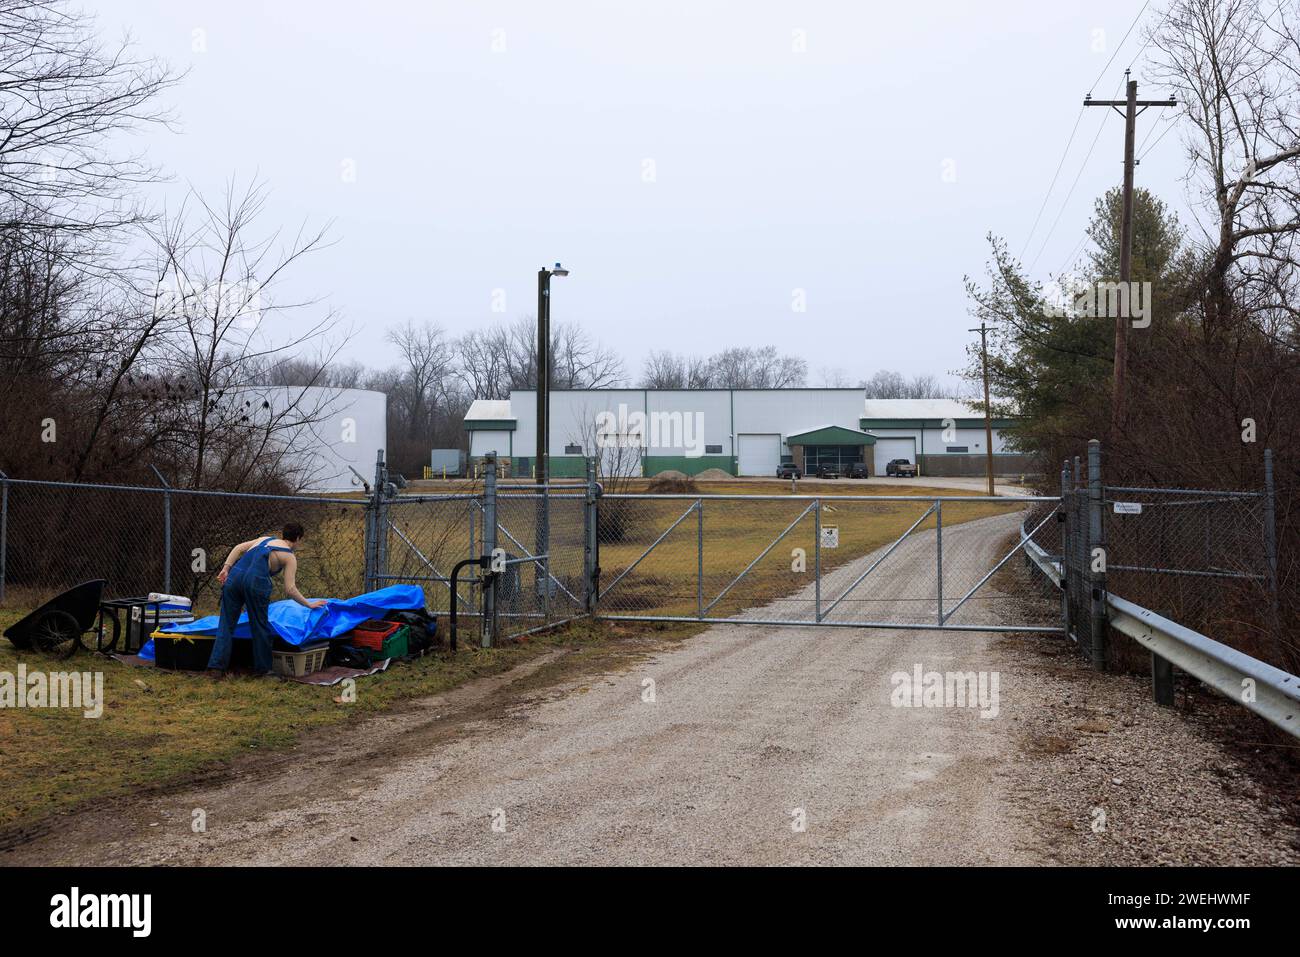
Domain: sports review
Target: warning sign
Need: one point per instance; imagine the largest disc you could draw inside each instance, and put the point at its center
(1128, 508)
(830, 536)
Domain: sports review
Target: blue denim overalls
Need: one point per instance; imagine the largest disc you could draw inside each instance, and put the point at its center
(247, 586)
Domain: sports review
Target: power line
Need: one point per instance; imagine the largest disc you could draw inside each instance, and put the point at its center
(1169, 126)
(1075, 129)
(1078, 119)
(1121, 46)
(1051, 186)
(1066, 202)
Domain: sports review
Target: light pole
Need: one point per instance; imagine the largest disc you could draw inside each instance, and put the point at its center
(542, 454)
(543, 469)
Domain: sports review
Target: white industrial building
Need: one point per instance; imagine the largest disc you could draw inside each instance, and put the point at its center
(745, 432)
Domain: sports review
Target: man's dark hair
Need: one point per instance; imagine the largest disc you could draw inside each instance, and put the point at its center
(291, 532)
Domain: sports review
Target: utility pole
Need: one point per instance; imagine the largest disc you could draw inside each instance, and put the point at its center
(1132, 106)
(988, 413)
(541, 468)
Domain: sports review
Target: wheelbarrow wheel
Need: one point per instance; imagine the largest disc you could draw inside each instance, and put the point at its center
(109, 631)
(57, 634)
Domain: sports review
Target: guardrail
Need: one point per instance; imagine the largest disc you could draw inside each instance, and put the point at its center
(1270, 692)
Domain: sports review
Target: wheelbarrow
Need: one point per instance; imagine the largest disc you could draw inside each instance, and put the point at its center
(56, 627)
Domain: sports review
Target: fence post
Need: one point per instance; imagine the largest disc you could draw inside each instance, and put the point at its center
(1065, 547)
(1270, 527)
(1096, 539)
(590, 544)
(4, 530)
(1270, 542)
(167, 531)
(699, 558)
(938, 554)
(817, 560)
(372, 571)
(489, 546)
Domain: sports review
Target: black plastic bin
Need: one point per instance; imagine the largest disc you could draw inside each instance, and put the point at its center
(191, 652)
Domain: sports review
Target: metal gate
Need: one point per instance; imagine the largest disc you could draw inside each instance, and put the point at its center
(879, 561)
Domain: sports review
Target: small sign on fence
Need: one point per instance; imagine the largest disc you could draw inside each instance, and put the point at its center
(830, 536)
(1128, 508)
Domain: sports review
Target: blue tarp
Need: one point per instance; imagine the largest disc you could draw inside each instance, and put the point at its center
(299, 625)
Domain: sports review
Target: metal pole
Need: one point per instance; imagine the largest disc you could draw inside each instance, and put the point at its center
(1096, 539)
(817, 561)
(381, 523)
(543, 375)
(988, 412)
(1270, 540)
(938, 553)
(489, 546)
(589, 522)
(699, 558)
(1065, 548)
(372, 524)
(167, 542)
(544, 567)
(167, 531)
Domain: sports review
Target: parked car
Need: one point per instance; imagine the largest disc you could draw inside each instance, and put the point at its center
(788, 470)
(901, 468)
(857, 470)
(828, 471)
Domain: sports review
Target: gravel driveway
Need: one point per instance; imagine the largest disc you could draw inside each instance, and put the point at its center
(746, 744)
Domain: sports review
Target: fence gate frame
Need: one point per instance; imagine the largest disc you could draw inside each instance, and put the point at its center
(943, 615)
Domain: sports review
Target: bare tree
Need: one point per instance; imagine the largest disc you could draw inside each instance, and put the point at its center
(216, 290)
(66, 98)
(493, 362)
(833, 378)
(426, 366)
(663, 370)
(1234, 65)
(887, 384)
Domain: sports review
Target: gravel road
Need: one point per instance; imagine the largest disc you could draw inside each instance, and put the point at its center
(758, 745)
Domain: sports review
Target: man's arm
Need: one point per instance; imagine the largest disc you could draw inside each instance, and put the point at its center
(291, 583)
(235, 555)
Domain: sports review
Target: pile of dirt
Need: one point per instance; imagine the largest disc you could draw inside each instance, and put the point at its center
(672, 482)
(714, 475)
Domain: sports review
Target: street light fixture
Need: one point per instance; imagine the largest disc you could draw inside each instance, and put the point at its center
(542, 468)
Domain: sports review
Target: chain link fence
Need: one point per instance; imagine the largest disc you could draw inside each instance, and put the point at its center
(56, 535)
(1204, 558)
(528, 557)
(1198, 557)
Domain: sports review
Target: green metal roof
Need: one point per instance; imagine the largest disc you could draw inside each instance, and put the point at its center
(831, 435)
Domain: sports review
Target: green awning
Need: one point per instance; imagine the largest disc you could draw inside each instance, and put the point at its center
(831, 435)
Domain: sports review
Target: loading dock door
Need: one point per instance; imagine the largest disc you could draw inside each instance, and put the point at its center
(888, 449)
(758, 454)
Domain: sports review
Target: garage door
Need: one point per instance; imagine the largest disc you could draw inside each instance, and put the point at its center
(758, 454)
(887, 449)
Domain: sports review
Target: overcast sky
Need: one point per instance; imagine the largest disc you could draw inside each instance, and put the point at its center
(696, 164)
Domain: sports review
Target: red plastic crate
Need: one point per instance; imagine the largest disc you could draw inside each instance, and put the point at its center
(371, 634)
